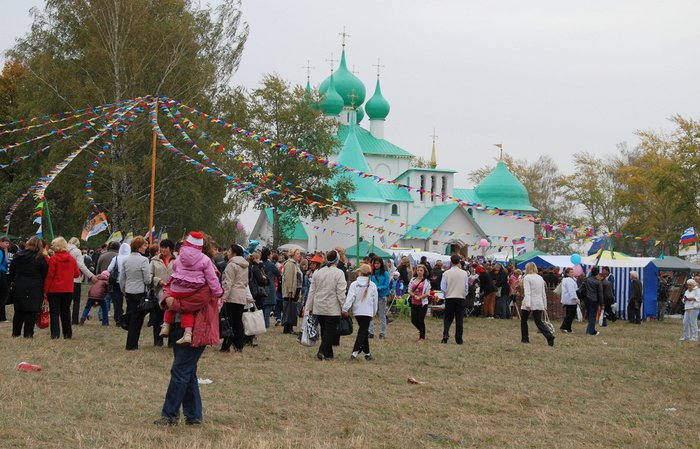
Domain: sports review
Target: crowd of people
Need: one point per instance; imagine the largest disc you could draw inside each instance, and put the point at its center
(194, 286)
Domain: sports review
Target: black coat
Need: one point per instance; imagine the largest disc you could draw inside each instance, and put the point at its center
(27, 274)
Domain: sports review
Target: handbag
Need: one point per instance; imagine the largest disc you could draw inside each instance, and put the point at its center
(547, 323)
(150, 299)
(43, 319)
(345, 326)
(254, 322)
(225, 330)
(308, 328)
(557, 289)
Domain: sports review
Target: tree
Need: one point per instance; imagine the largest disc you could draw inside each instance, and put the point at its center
(287, 114)
(81, 53)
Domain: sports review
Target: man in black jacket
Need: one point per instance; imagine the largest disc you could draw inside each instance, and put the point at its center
(634, 306)
(592, 292)
(608, 297)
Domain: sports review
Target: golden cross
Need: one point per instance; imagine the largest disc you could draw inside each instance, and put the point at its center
(378, 66)
(352, 98)
(308, 69)
(332, 61)
(433, 135)
(344, 35)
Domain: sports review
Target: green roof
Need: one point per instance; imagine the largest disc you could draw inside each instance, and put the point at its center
(372, 145)
(432, 220)
(297, 233)
(501, 189)
(332, 102)
(466, 195)
(393, 193)
(366, 189)
(528, 255)
(366, 248)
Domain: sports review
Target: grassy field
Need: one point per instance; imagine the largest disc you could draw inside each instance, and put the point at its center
(608, 391)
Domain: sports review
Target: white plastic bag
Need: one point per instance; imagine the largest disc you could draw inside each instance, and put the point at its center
(579, 314)
(308, 331)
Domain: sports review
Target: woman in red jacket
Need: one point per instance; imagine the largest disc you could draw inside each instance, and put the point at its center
(59, 287)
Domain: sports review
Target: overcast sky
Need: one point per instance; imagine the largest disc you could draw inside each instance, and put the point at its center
(542, 77)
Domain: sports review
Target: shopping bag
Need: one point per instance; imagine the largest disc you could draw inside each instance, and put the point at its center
(43, 319)
(307, 327)
(579, 314)
(254, 322)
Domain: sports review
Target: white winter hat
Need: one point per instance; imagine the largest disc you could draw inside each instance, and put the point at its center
(195, 239)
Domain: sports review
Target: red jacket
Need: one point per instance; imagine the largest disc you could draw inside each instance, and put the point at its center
(206, 314)
(63, 269)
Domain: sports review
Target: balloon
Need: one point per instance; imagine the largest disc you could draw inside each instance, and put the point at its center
(578, 270)
(576, 259)
(239, 226)
(483, 243)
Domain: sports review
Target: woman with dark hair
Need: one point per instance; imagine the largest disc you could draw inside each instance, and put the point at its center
(381, 279)
(235, 284)
(161, 268)
(418, 292)
(27, 275)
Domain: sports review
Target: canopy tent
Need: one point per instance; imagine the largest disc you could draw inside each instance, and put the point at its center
(620, 269)
(287, 247)
(415, 256)
(548, 261)
(366, 248)
(605, 258)
(527, 256)
(670, 263)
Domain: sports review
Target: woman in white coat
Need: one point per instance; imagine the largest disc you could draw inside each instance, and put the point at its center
(569, 299)
(535, 301)
(363, 299)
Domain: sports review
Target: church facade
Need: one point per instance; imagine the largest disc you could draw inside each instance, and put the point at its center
(424, 217)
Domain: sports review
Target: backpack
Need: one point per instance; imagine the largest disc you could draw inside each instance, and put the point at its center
(113, 281)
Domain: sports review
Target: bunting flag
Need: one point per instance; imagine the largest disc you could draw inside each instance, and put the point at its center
(96, 223)
(55, 118)
(687, 246)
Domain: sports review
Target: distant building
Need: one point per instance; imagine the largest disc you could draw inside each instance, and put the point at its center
(432, 218)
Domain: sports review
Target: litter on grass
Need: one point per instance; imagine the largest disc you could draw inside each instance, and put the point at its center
(24, 366)
(413, 381)
(205, 381)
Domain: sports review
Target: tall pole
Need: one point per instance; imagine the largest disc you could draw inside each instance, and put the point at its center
(48, 217)
(153, 181)
(357, 243)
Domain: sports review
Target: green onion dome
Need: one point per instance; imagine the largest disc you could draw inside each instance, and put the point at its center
(377, 107)
(360, 114)
(346, 84)
(332, 102)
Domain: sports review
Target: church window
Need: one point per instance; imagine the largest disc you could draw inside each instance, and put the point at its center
(422, 186)
(432, 188)
(394, 209)
(444, 188)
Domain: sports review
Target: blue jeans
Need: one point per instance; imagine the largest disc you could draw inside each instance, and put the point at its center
(104, 308)
(279, 305)
(267, 308)
(505, 307)
(690, 324)
(183, 389)
(592, 310)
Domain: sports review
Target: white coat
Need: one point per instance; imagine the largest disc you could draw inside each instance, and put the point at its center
(366, 306)
(535, 297)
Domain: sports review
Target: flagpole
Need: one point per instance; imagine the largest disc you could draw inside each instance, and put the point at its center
(153, 180)
(48, 217)
(357, 242)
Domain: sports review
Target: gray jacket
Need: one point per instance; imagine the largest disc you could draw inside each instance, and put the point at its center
(327, 291)
(135, 275)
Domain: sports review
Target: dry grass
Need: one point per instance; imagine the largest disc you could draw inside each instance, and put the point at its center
(609, 391)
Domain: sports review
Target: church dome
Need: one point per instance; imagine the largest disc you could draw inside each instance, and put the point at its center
(377, 107)
(332, 102)
(346, 84)
(360, 114)
(501, 189)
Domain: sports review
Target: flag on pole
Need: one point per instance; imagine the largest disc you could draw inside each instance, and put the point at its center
(688, 244)
(96, 223)
(115, 237)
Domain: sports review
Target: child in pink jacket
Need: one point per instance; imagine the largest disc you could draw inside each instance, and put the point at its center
(192, 270)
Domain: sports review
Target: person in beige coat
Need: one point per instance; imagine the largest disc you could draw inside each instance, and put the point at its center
(292, 280)
(235, 284)
(325, 301)
(535, 301)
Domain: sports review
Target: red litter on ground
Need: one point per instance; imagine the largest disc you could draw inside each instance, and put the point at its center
(413, 381)
(24, 366)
